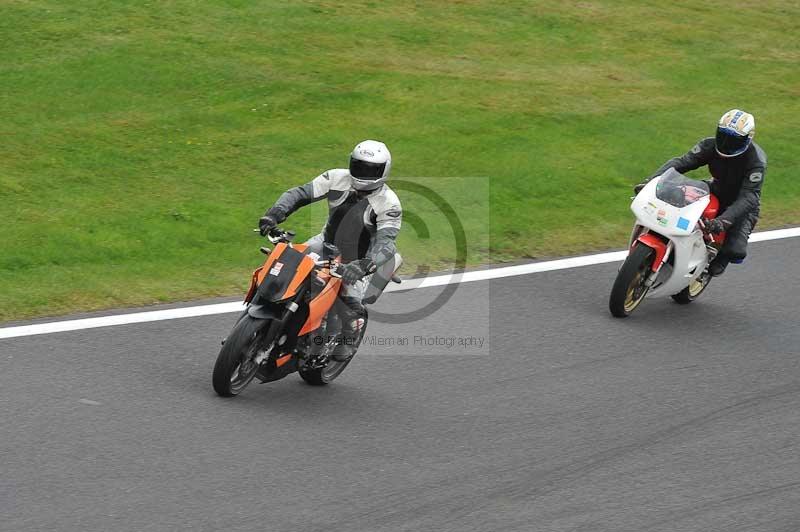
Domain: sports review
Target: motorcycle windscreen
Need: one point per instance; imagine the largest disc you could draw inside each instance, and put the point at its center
(678, 190)
(283, 274)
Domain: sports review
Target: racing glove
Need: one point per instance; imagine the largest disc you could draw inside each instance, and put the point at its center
(355, 270)
(266, 223)
(717, 226)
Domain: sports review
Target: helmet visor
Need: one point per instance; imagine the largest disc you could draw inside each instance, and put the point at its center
(730, 142)
(366, 170)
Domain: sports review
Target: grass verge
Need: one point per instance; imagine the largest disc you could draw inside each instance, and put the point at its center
(140, 141)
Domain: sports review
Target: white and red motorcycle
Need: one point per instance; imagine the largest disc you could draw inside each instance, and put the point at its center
(670, 247)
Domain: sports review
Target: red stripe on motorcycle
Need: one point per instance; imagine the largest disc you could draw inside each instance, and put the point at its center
(656, 244)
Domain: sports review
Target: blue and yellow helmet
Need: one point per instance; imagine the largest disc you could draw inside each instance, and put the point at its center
(734, 133)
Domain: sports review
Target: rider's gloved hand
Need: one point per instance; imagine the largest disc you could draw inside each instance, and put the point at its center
(717, 226)
(266, 223)
(638, 188)
(355, 270)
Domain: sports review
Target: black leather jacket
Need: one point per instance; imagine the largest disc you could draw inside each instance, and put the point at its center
(737, 180)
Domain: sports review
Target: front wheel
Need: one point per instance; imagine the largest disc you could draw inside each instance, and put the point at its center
(236, 365)
(693, 291)
(630, 288)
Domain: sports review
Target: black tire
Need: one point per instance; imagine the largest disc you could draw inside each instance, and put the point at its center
(693, 291)
(629, 291)
(228, 378)
(326, 375)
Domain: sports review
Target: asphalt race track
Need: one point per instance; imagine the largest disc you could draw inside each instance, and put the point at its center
(680, 418)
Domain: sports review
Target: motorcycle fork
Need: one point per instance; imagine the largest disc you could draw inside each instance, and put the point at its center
(281, 338)
(713, 250)
(651, 279)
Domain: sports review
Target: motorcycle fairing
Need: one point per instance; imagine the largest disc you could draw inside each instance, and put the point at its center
(257, 276)
(658, 215)
(320, 305)
(712, 209)
(688, 252)
(688, 256)
(282, 274)
(253, 285)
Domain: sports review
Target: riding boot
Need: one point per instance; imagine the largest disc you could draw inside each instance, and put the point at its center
(718, 265)
(351, 314)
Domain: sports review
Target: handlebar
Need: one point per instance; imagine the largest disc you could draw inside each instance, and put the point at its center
(706, 233)
(332, 266)
(277, 235)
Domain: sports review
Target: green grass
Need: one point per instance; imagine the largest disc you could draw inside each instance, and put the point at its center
(140, 141)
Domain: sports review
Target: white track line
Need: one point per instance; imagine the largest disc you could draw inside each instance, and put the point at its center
(411, 284)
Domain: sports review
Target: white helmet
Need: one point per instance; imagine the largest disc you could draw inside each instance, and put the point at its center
(370, 163)
(734, 133)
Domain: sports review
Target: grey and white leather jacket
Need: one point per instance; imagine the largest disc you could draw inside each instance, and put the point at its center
(360, 224)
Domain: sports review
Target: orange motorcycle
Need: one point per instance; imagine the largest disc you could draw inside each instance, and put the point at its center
(287, 325)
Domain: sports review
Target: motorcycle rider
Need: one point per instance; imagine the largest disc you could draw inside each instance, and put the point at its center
(737, 165)
(364, 218)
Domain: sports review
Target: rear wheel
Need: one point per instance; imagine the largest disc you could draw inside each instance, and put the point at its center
(236, 365)
(334, 368)
(629, 288)
(693, 291)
